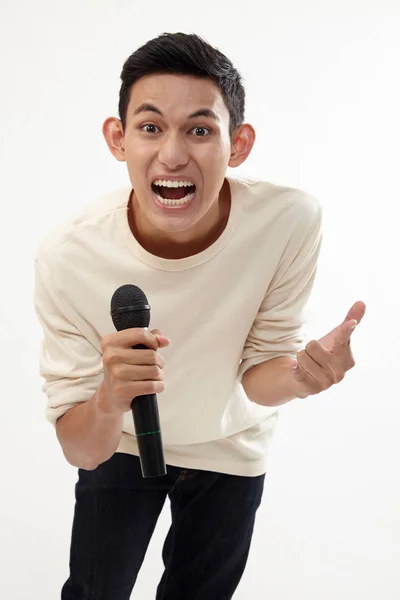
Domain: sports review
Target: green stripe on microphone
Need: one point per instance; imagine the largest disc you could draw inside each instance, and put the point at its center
(148, 433)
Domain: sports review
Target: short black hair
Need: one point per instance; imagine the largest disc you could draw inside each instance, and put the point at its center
(184, 54)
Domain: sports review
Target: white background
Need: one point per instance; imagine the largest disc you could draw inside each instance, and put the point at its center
(322, 83)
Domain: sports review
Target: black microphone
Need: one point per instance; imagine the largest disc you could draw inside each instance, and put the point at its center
(129, 308)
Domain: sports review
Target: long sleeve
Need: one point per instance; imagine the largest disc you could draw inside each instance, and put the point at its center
(278, 329)
(69, 363)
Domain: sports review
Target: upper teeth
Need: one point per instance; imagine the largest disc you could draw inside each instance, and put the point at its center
(165, 183)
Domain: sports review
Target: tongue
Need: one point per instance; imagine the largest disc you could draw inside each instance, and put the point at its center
(173, 193)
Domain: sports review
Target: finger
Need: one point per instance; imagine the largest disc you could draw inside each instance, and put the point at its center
(319, 354)
(138, 372)
(324, 359)
(131, 337)
(162, 339)
(141, 388)
(356, 312)
(133, 357)
(306, 380)
(343, 336)
(314, 370)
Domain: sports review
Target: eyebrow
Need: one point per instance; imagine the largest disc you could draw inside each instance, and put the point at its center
(202, 112)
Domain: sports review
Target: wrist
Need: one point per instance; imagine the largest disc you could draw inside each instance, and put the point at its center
(102, 404)
(273, 383)
(299, 390)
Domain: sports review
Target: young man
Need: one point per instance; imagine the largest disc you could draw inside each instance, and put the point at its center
(228, 266)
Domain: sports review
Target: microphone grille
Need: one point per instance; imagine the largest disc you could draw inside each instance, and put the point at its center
(129, 308)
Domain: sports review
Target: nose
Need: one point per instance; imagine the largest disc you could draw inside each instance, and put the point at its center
(173, 152)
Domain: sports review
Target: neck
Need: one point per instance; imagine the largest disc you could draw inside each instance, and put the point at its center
(185, 243)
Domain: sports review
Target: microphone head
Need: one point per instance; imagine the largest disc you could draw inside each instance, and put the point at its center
(129, 308)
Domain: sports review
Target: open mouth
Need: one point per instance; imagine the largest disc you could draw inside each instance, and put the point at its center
(173, 193)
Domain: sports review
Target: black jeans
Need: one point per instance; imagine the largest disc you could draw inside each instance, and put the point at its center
(116, 511)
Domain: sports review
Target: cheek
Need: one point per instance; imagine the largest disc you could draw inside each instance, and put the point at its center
(215, 158)
(134, 158)
(136, 163)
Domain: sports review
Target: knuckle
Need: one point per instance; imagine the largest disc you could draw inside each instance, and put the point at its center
(113, 355)
(301, 355)
(152, 385)
(312, 346)
(148, 339)
(105, 341)
(110, 356)
(160, 361)
(157, 372)
(155, 387)
(330, 378)
(153, 357)
(116, 370)
(106, 358)
(142, 334)
(131, 336)
(338, 377)
(327, 384)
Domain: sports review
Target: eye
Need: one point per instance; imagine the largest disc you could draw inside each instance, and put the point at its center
(201, 131)
(149, 128)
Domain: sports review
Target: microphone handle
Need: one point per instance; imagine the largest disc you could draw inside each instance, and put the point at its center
(148, 432)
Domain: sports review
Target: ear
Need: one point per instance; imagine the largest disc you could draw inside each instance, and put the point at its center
(242, 143)
(114, 136)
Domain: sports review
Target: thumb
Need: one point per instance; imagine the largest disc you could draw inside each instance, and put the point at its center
(163, 341)
(344, 333)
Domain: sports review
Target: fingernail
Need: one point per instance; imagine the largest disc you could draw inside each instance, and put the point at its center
(164, 337)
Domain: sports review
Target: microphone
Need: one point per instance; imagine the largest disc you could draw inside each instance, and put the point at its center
(130, 308)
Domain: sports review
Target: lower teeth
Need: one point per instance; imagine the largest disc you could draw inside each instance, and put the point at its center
(180, 202)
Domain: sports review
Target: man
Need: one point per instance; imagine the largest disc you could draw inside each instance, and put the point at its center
(228, 266)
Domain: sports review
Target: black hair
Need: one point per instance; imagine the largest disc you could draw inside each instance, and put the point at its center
(184, 54)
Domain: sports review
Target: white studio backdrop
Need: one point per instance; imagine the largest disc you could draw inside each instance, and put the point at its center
(322, 82)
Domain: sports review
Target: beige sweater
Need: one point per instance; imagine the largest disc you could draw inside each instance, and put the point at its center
(236, 304)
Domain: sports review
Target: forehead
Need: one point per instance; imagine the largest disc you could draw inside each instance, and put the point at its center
(178, 94)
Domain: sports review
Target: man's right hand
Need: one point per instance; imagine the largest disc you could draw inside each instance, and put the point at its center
(129, 373)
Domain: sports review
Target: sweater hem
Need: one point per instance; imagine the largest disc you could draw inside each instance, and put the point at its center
(254, 468)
